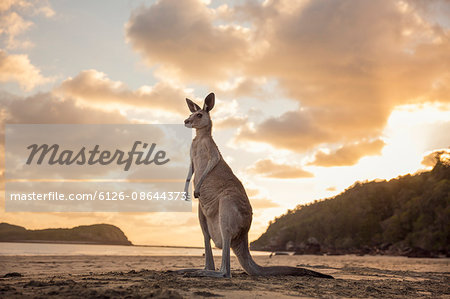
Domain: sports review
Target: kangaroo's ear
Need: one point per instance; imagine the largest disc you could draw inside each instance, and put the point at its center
(209, 102)
(192, 106)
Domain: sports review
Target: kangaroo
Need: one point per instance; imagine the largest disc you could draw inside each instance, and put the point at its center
(224, 212)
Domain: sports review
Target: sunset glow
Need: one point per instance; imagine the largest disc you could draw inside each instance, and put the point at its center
(312, 96)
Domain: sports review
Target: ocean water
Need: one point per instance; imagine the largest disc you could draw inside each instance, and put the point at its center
(8, 249)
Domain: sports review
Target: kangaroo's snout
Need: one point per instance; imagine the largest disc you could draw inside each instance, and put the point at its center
(187, 123)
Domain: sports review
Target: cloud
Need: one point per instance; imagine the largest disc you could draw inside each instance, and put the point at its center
(33, 7)
(430, 159)
(13, 23)
(182, 39)
(93, 86)
(304, 129)
(242, 87)
(270, 169)
(262, 203)
(348, 69)
(230, 122)
(348, 155)
(18, 68)
(6, 5)
(347, 64)
(258, 201)
(46, 108)
(294, 130)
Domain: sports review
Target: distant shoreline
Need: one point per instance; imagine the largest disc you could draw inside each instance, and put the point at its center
(273, 253)
(169, 246)
(61, 242)
(93, 243)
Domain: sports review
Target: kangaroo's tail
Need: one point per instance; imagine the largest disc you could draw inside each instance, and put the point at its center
(240, 248)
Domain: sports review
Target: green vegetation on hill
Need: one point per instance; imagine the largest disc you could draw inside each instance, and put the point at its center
(85, 234)
(408, 215)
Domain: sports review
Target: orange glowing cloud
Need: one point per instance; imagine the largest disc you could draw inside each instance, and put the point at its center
(18, 68)
(270, 169)
(93, 86)
(348, 155)
(346, 64)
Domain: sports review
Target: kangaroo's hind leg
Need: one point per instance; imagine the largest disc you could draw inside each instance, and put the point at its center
(209, 260)
(228, 229)
(225, 269)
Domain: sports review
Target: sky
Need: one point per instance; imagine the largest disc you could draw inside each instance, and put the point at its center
(311, 96)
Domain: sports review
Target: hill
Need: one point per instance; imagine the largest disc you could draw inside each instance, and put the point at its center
(408, 216)
(86, 234)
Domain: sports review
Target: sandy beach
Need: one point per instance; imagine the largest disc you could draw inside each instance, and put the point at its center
(149, 276)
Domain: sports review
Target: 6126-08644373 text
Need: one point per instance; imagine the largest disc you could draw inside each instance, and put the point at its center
(99, 195)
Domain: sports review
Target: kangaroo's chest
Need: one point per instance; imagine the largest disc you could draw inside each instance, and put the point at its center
(200, 156)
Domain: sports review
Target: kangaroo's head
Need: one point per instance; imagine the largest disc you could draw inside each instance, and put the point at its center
(200, 116)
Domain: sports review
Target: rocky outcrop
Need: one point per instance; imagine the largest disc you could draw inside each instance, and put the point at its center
(106, 234)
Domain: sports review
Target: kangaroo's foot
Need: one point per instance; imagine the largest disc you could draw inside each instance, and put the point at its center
(208, 273)
(183, 271)
(191, 270)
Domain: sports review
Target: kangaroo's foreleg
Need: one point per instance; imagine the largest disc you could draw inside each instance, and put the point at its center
(188, 180)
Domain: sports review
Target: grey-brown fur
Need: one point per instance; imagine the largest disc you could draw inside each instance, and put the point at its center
(224, 212)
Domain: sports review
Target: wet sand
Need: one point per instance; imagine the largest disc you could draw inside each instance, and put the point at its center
(148, 277)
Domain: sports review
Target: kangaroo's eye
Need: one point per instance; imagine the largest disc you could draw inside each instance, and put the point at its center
(199, 115)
